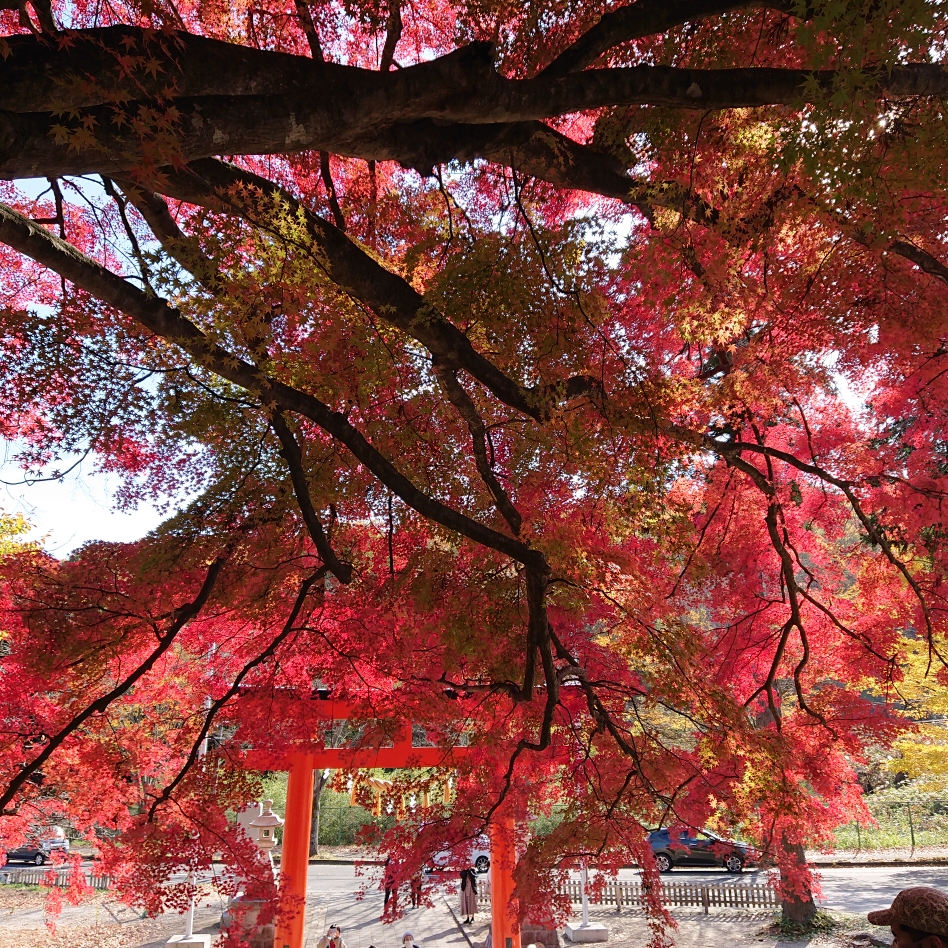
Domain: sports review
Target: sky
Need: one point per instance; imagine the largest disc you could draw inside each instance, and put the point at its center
(79, 508)
(72, 511)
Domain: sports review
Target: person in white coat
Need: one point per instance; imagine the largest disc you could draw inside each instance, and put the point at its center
(332, 938)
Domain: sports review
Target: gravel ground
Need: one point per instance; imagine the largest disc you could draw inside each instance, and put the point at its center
(98, 922)
(725, 928)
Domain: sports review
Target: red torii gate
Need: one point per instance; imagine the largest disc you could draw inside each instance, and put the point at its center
(294, 861)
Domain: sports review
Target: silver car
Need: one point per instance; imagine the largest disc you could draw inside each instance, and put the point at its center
(474, 853)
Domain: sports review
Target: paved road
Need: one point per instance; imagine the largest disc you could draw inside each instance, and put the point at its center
(846, 890)
(856, 890)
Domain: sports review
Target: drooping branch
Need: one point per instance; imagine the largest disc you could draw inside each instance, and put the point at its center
(731, 453)
(120, 203)
(325, 172)
(182, 249)
(538, 628)
(158, 317)
(309, 28)
(294, 461)
(538, 643)
(393, 34)
(847, 489)
(182, 616)
(475, 424)
(288, 628)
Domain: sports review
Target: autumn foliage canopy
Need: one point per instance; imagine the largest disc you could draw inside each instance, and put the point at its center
(569, 379)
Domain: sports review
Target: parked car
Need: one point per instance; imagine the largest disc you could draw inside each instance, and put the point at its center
(40, 846)
(474, 853)
(698, 848)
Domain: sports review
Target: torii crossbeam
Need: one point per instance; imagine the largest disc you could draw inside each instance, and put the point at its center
(294, 861)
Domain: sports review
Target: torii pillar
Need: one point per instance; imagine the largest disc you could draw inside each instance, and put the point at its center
(504, 928)
(294, 861)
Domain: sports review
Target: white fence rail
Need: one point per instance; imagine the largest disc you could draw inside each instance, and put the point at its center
(50, 877)
(630, 894)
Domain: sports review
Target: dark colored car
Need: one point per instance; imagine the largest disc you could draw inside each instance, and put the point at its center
(691, 847)
(39, 851)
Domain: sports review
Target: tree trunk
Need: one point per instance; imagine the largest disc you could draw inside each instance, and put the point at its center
(796, 901)
(322, 778)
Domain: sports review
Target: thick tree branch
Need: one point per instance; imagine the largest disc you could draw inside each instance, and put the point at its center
(183, 615)
(641, 19)
(460, 86)
(120, 203)
(925, 261)
(342, 112)
(158, 317)
(211, 183)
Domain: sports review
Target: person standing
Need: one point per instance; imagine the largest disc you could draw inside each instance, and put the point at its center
(468, 895)
(391, 887)
(332, 938)
(416, 882)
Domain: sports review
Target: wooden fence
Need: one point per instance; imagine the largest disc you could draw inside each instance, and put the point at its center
(49, 877)
(629, 893)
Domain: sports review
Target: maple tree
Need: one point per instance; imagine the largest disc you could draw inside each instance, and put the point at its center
(567, 375)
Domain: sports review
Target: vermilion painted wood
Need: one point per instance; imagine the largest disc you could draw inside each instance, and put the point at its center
(362, 757)
(503, 857)
(294, 861)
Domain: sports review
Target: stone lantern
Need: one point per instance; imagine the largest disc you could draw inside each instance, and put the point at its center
(247, 815)
(265, 827)
(241, 911)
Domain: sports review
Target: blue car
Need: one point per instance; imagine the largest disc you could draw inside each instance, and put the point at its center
(694, 848)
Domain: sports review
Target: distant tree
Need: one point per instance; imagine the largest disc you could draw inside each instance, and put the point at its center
(319, 784)
(922, 754)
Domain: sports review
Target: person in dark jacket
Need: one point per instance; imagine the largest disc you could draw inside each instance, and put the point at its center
(391, 887)
(468, 895)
